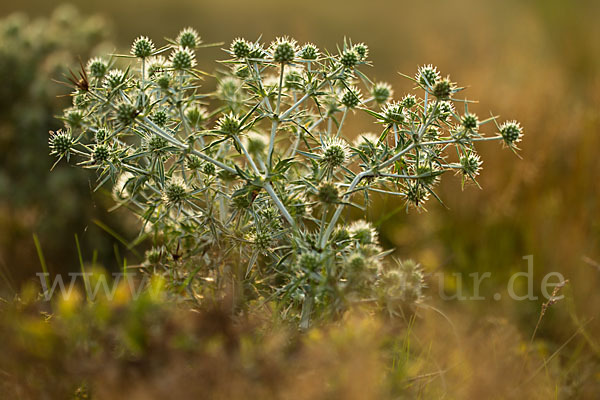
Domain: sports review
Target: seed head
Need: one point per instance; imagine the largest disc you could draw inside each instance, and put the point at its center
(309, 261)
(444, 89)
(367, 143)
(256, 143)
(328, 193)
(293, 79)
(416, 194)
(393, 113)
(471, 164)
(196, 115)
(257, 51)
(283, 50)
(444, 110)
(428, 75)
(356, 262)
(408, 101)
(341, 235)
(156, 144)
(511, 131)
(126, 113)
(160, 118)
(142, 47)
(240, 48)
(97, 67)
(74, 118)
(182, 58)
(363, 232)
(209, 169)
(351, 97)
(100, 154)
(349, 58)
(194, 162)
(470, 121)
(309, 52)
(175, 192)
(335, 153)
(60, 143)
(362, 50)
(261, 240)
(113, 79)
(229, 124)
(100, 135)
(381, 92)
(164, 80)
(189, 38)
(155, 65)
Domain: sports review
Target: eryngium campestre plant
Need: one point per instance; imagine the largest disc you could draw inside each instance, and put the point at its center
(255, 189)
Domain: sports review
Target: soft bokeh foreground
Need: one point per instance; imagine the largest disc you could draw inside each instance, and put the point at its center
(534, 61)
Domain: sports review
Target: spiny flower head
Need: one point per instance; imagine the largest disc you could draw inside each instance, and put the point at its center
(262, 240)
(393, 113)
(126, 113)
(156, 144)
(196, 115)
(283, 50)
(182, 58)
(408, 101)
(309, 52)
(351, 97)
(335, 152)
(100, 135)
(160, 118)
(471, 164)
(381, 92)
(470, 121)
(229, 124)
(367, 143)
(209, 169)
(60, 143)
(97, 67)
(142, 47)
(362, 50)
(427, 173)
(293, 78)
(427, 75)
(194, 162)
(175, 191)
(404, 282)
(114, 78)
(155, 65)
(257, 51)
(444, 88)
(444, 110)
(349, 58)
(256, 143)
(328, 193)
(363, 232)
(100, 154)
(416, 194)
(511, 131)
(309, 261)
(74, 118)
(188, 37)
(240, 48)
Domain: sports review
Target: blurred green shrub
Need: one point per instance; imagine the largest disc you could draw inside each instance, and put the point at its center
(33, 53)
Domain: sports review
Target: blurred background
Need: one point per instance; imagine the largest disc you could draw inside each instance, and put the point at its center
(535, 61)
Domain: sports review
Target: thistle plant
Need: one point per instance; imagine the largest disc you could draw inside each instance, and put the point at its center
(250, 182)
